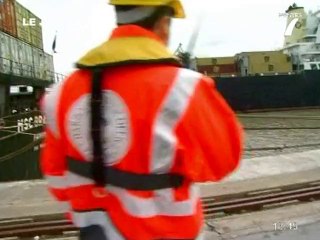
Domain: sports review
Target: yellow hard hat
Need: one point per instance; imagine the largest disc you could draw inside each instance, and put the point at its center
(175, 4)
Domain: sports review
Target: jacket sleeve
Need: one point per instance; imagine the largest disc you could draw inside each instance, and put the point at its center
(209, 135)
(52, 159)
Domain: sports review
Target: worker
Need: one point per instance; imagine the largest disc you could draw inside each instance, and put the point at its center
(131, 132)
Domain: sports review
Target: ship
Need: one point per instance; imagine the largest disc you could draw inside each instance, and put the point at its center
(271, 80)
(26, 71)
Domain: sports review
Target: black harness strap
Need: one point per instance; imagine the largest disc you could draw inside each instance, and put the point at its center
(96, 115)
(127, 180)
(102, 174)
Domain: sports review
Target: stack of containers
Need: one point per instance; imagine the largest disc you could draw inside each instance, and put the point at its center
(21, 45)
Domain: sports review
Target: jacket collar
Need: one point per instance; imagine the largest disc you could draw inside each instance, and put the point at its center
(128, 44)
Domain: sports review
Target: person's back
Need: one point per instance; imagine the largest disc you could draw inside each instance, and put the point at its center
(163, 128)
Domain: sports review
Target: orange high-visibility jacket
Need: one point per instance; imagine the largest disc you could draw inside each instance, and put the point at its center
(159, 118)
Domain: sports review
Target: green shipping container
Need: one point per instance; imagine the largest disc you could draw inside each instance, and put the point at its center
(22, 14)
(28, 26)
(36, 32)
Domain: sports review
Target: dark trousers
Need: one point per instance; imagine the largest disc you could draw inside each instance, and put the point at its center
(93, 232)
(96, 233)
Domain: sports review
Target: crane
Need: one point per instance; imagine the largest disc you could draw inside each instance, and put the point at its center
(183, 56)
(186, 55)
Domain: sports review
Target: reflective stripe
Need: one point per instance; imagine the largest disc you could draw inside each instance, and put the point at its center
(75, 180)
(174, 105)
(50, 108)
(161, 204)
(59, 182)
(100, 218)
(65, 206)
(68, 180)
(135, 14)
(202, 233)
(163, 153)
(201, 236)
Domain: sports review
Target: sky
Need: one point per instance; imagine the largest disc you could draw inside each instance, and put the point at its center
(226, 27)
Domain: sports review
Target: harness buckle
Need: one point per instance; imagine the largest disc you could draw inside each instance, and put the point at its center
(99, 192)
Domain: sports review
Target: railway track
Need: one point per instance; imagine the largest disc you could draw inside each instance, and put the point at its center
(214, 207)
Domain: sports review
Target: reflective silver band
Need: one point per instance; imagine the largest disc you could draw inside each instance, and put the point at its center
(165, 141)
(174, 105)
(50, 108)
(135, 14)
(75, 180)
(68, 180)
(58, 182)
(160, 204)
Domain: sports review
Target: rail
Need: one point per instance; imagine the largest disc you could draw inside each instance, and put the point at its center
(10, 67)
(214, 207)
(247, 116)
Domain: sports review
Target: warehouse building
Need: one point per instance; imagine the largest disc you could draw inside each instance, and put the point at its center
(263, 63)
(217, 66)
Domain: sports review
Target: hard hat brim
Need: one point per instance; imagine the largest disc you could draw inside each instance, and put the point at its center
(175, 4)
(178, 9)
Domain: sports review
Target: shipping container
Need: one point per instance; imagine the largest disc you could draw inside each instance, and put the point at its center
(20, 55)
(35, 62)
(49, 67)
(8, 22)
(28, 26)
(5, 53)
(25, 58)
(40, 61)
(36, 39)
(22, 15)
(36, 54)
(16, 65)
(36, 32)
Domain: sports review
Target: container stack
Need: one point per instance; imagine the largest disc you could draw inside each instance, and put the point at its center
(21, 43)
(15, 21)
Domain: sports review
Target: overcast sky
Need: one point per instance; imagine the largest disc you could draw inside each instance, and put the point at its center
(228, 26)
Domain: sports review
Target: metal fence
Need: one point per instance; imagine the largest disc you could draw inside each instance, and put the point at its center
(2, 112)
(8, 66)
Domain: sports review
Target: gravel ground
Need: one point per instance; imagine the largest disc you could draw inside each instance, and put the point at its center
(283, 140)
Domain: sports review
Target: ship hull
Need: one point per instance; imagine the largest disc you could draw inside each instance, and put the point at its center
(271, 92)
(19, 153)
(20, 141)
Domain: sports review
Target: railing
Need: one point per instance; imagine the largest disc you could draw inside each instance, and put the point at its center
(2, 112)
(20, 69)
(57, 77)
